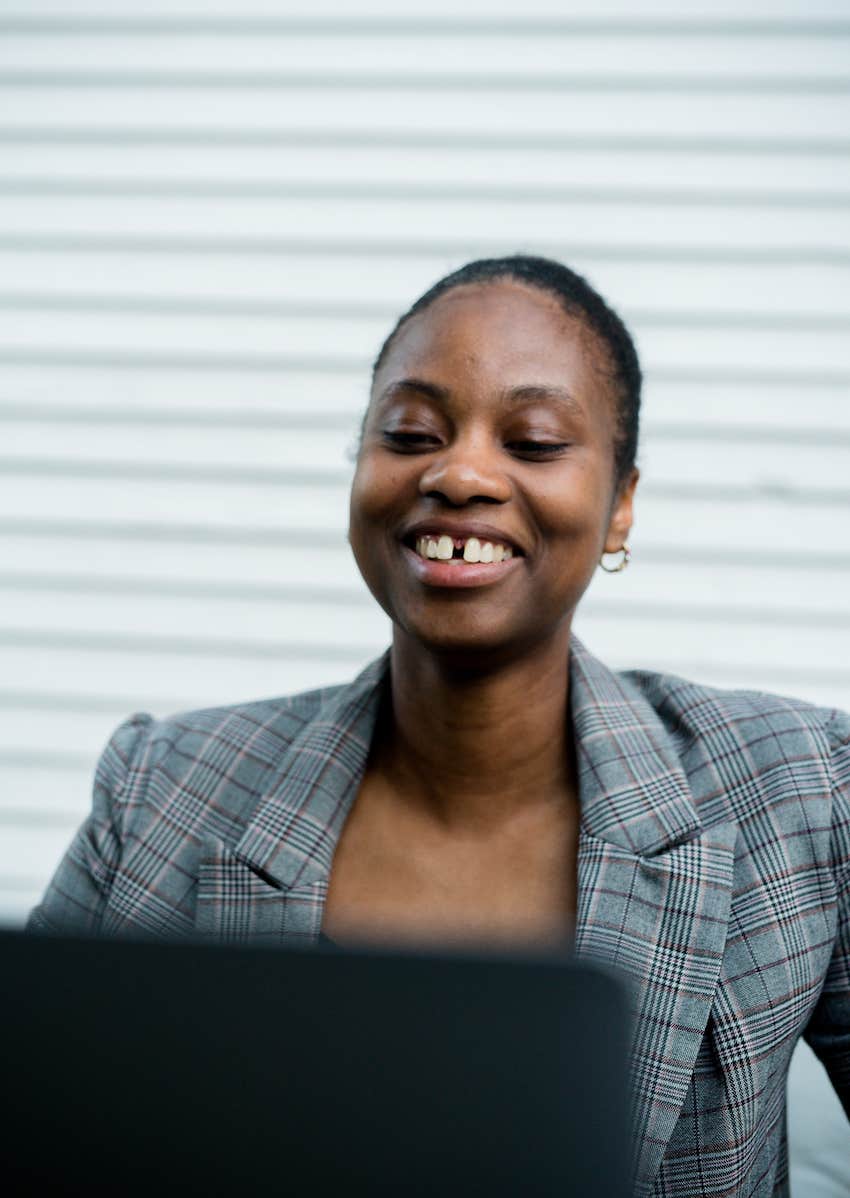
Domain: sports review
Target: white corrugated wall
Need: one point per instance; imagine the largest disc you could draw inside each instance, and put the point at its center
(211, 214)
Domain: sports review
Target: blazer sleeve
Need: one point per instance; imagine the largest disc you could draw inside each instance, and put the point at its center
(76, 896)
(828, 1031)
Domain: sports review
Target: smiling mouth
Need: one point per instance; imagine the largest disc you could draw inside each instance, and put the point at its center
(444, 548)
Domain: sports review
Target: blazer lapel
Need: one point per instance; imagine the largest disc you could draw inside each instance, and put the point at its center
(654, 891)
(236, 901)
(271, 885)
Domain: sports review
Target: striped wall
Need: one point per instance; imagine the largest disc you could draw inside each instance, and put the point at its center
(208, 221)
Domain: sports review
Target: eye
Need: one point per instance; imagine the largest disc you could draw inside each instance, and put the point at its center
(538, 449)
(409, 442)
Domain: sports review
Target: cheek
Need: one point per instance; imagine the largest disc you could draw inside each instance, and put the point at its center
(574, 506)
(375, 488)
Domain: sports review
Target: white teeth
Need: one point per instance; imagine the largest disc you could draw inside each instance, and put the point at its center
(441, 547)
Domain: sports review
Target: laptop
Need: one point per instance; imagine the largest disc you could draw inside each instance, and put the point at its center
(157, 1068)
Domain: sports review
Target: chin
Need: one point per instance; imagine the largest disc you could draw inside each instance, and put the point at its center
(466, 648)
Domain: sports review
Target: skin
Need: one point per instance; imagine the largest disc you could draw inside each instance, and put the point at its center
(465, 827)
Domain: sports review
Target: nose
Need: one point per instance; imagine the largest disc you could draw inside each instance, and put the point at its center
(464, 471)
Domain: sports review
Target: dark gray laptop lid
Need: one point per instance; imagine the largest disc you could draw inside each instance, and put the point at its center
(159, 1068)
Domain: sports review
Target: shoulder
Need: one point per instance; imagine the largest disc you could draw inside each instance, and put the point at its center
(223, 755)
(744, 717)
(263, 726)
(749, 752)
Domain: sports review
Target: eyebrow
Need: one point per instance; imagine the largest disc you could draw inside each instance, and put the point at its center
(534, 392)
(431, 390)
(527, 393)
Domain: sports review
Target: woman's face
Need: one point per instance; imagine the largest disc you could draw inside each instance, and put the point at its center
(491, 418)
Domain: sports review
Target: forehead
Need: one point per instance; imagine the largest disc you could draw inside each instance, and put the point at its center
(502, 333)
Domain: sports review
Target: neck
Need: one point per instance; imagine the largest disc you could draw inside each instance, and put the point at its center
(479, 746)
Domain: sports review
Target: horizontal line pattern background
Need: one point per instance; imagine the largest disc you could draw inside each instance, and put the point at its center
(209, 220)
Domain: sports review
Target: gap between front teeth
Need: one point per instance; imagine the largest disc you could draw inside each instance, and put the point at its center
(442, 549)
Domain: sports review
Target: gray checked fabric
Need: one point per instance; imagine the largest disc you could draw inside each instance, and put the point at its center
(714, 871)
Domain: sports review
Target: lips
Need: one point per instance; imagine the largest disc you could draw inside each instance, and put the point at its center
(457, 573)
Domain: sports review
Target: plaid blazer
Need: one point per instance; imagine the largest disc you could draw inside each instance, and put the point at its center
(713, 869)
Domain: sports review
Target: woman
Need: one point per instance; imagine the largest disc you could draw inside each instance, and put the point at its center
(487, 780)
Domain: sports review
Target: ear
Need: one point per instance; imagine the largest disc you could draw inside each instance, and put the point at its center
(620, 523)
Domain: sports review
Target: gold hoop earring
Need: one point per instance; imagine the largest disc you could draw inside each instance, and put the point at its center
(621, 564)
